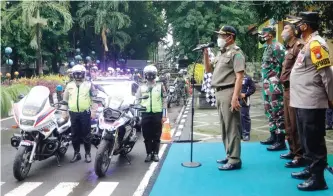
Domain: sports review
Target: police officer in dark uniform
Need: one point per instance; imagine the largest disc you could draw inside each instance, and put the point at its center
(311, 93)
(248, 88)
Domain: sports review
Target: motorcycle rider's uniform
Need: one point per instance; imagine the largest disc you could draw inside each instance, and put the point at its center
(156, 112)
(181, 84)
(78, 94)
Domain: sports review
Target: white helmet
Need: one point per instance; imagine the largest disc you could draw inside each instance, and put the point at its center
(118, 69)
(79, 72)
(94, 68)
(150, 72)
(110, 69)
(128, 70)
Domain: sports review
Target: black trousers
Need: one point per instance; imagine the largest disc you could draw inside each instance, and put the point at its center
(81, 130)
(311, 129)
(151, 131)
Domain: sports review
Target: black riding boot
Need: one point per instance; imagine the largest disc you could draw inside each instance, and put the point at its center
(148, 151)
(280, 143)
(87, 148)
(76, 157)
(155, 152)
(269, 141)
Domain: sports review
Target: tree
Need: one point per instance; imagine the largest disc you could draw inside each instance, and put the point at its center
(108, 19)
(194, 23)
(34, 18)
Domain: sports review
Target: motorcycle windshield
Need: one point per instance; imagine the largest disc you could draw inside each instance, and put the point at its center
(35, 100)
(117, 93)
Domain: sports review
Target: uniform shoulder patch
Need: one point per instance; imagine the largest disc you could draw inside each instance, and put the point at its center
(319, 56)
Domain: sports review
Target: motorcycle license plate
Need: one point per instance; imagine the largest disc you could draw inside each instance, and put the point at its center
(26, 143)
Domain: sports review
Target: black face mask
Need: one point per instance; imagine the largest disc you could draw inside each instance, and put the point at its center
(262, 39)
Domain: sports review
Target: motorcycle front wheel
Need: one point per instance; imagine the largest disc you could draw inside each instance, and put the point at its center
(102, 160)
(21, 166)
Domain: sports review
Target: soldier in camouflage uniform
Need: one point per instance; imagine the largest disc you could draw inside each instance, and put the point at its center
(272, 88)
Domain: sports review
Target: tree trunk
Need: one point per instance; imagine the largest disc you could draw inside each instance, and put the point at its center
(39, 64)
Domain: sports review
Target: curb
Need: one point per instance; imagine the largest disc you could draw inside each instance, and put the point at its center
(182, 120)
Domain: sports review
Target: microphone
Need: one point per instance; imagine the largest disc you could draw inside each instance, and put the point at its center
(202, 46)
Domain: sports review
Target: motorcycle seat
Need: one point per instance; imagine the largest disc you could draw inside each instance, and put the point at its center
(61, 121)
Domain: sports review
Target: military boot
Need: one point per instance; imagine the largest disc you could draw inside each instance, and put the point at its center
(269, 141)
(280, 143)
(87, 148)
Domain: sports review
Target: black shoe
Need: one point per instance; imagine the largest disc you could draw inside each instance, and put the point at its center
(314, 183)
(302, 175)
(295, 163)
(289, 156)
(223, 161)
(77, 157)
(269, 141)
(87, 158)
(148, 158)
(246, 138)
(280, 143)
(230, 166)
(155, 157)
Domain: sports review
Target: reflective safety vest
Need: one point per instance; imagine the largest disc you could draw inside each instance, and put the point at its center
(79, 97)
(155, 101)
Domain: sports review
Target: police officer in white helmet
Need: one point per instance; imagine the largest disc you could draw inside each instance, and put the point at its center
(78, 94)
(155, 114)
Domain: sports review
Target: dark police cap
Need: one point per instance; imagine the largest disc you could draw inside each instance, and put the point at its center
(305, 17)
(227, 30)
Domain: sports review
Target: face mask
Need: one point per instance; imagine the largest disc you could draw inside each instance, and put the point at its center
(262, 40)
(221, 42)
(285, 36)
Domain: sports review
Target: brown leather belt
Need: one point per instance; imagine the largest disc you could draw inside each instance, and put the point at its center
(220, 88)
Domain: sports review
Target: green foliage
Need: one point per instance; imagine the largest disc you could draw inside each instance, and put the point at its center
(10, 94)
(195, 22)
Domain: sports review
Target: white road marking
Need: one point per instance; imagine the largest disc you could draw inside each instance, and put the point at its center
(180, 126)
(185, 112)
(24, 189)
(184, 116)
(183, 120)
(145, 180)
(62, 189)
(178, 133)
(2, 183)
(104, 189)
(6, 118)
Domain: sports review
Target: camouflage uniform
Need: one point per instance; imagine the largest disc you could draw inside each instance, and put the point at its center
(272, 88)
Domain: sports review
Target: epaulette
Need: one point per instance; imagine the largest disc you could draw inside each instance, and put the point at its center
(236, 47)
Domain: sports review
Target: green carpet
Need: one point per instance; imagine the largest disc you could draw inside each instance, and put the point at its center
(263, 174)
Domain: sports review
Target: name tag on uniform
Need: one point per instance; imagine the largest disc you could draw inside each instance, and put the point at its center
(300, 57)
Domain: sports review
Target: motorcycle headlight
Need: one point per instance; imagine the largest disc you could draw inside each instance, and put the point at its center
(27, 122)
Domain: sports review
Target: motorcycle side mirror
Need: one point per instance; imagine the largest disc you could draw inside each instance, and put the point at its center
(20, 96)
(144, 97)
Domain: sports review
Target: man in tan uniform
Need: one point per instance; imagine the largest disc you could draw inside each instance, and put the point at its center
(293, 46)
(228, 72)
(311, 89)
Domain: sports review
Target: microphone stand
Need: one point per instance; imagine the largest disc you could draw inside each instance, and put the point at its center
(192, 164)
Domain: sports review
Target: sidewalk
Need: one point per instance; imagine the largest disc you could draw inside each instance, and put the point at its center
(207, 128)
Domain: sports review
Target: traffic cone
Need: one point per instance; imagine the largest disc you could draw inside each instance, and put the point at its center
(166, 132)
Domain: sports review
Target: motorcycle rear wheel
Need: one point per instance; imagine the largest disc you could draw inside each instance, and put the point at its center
(102, 160)
(21, 166)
